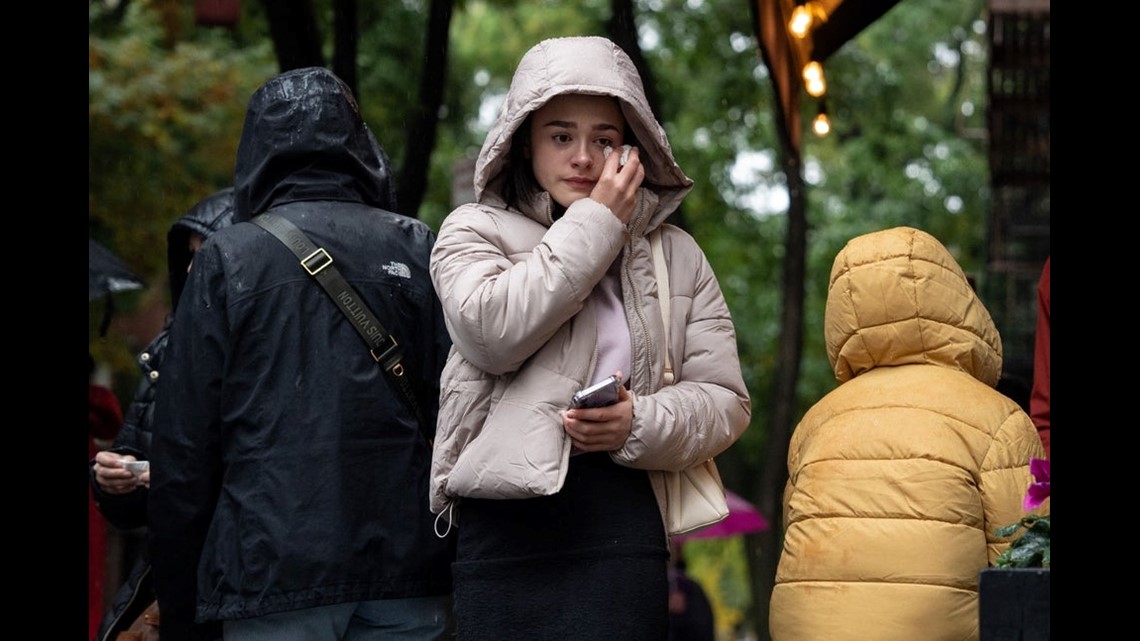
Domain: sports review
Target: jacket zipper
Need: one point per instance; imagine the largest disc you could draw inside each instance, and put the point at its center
(638, 300)
(127, 607)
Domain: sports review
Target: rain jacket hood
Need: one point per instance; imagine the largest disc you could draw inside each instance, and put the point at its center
(275, 165)
(898, 297)
(583, 65)
(210, 214)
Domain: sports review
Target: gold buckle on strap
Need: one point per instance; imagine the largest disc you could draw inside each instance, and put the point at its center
(389, 357)
(314, 258)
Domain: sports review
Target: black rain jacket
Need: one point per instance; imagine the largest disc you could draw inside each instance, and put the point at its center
(128, 511)
(289, 473)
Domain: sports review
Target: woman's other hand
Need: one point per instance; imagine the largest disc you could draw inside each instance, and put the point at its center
(600, 429)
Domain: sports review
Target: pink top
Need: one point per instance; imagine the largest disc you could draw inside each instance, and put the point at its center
(614, 352)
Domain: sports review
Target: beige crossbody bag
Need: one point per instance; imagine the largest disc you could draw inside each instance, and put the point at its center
(694, 498)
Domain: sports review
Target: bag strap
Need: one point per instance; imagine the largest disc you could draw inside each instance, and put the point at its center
(663, 295)
(318, 263)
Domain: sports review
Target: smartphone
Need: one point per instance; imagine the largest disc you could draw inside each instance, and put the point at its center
(598, 394)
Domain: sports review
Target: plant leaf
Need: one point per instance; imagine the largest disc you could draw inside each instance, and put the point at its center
(1008, 530)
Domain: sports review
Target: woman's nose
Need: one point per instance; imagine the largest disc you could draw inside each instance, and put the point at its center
(583, 156)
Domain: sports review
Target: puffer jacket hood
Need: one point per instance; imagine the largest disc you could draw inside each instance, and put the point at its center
(275, 165)
(585, 65)
(210, 214)
(898, 297)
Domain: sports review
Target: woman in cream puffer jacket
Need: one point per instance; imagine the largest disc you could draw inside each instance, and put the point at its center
(539, 292)
(899, 476)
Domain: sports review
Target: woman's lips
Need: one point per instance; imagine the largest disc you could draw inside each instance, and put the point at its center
(580, 183)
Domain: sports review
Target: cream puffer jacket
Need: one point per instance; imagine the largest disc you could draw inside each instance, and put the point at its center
(515, 288)
(899, 476)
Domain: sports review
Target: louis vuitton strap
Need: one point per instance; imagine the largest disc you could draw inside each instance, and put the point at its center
(318, 263)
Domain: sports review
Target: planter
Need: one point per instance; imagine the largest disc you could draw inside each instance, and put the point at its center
(1013, 604)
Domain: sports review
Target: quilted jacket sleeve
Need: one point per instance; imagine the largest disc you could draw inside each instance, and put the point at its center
(504, 296)
(1005, 477)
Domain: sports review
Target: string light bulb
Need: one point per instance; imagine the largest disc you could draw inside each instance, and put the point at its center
(800, 24)
(814, 82)
(807, 15)
(821, 124)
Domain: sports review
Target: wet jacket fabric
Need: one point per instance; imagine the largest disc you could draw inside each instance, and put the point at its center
(516, 288)
(289, 472)
(210, 214)
(206, 217)
(899, 476)
(128, 511)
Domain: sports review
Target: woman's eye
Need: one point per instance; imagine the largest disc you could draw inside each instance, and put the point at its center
(562, 138)
(606, 142)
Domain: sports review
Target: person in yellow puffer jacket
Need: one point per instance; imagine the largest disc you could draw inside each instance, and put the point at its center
(898, 478)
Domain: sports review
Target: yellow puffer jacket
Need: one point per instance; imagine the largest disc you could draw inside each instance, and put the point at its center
(899, 476)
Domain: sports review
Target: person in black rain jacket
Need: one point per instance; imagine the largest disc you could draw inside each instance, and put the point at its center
(119, 494)
(289, 492)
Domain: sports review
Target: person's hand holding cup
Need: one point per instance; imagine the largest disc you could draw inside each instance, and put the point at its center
(120, 473)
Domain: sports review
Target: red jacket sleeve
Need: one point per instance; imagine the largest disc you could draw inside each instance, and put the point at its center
(104, 414)
(1039, 399)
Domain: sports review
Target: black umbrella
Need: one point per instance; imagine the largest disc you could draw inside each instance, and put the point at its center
(107, 274)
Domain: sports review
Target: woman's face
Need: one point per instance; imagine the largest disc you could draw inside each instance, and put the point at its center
(567, 136)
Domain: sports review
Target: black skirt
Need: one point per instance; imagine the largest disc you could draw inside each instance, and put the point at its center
(588, 563)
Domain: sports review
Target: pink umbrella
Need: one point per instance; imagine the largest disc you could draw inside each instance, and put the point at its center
(743, 518)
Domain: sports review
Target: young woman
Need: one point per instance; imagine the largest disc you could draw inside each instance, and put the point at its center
(547, 283)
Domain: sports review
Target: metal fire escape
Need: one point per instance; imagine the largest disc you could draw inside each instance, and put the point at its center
(1017, 241)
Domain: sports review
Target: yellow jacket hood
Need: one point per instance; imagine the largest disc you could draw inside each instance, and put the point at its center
(897, 297)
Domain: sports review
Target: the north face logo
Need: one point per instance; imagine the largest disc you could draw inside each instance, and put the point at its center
(397, 269)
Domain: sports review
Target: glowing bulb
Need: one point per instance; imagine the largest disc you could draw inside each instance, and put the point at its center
(821, 124)
(800, 23)
(814, 82)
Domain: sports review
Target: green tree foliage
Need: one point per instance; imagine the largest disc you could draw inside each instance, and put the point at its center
(907, 101)
(487, 40)
(166, 103)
